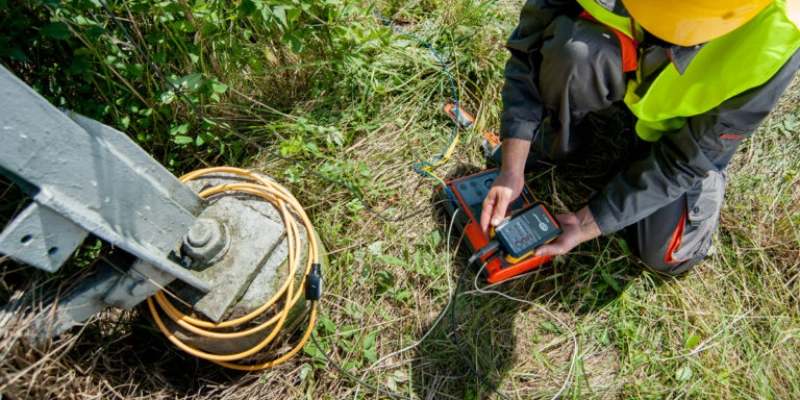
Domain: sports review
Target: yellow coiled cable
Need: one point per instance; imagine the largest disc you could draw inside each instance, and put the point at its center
(281, 198)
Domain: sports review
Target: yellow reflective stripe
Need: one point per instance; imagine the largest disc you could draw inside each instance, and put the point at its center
(608, 18)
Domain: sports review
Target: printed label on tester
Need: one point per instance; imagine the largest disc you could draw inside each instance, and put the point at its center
(526, 231)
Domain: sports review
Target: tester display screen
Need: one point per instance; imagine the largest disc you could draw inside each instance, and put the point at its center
(525, 231)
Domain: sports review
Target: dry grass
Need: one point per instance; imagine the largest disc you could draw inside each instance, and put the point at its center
(728, 329)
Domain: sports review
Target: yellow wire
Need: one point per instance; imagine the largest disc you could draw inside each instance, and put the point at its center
(447, 153)
(442, 160)
(287, 204)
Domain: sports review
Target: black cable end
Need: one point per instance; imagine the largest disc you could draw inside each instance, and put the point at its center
(313, 286)
(490, 247)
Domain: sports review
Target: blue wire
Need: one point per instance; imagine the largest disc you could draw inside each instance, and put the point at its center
(418, 166)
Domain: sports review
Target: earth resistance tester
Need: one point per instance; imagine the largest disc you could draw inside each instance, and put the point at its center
(529, 225)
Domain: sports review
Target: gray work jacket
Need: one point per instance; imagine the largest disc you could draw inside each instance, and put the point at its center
(676, 162)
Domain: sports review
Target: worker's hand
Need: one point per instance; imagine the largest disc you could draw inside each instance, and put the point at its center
(508, 185)
(577, 228)
(504, 191)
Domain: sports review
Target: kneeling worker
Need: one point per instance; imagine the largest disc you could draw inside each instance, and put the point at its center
(698, 75)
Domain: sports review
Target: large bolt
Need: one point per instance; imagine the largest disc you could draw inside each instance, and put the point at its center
(206, 241)
(200, 233)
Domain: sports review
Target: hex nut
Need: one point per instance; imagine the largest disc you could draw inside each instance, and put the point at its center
(206, 241)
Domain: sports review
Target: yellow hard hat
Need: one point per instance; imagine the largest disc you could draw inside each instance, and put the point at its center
(691, 22)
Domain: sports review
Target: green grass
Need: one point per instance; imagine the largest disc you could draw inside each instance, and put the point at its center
(360, 103)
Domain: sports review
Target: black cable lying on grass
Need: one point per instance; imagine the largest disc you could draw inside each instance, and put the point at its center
(477, 256)
(351, 376)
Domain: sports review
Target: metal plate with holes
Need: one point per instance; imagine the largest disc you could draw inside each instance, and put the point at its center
(41, 238)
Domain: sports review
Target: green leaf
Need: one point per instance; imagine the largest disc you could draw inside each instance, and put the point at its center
(56, 30)
(94, 31)
(691, 342)
(402, 295)
(180, 129)
(280, 13)
(166, 97)
(305, 371)
(610, 280)
(346, 344)
(376, 248)
(208, 29)
(191, 82)
(352, 366)
(247, 7)
(314, 352)
(135, 70)
(297, 44)
(369, 346)
(292, 14)
(392, 260)
(623, 245)
(436, 238)
(549, 326)
(184, 26)
(82, 21)
(684, 373)
(83, 51)
(219, 88)
(329, 326)
(14, 53)
(182, 140)
(264, 378)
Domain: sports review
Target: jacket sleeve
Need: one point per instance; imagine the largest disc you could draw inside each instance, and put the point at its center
(678, 161)
(522, 104)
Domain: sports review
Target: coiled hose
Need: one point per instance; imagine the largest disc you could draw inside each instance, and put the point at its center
(285, 202)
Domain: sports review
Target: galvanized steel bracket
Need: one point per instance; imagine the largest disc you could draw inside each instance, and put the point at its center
(85, 176)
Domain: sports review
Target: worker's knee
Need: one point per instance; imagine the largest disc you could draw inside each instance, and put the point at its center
(657, 261)
(673, 247)
(677, 237)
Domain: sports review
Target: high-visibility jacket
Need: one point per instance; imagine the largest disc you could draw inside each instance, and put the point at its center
(723, 68)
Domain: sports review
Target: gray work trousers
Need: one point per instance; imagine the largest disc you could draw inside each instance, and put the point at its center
(581, 72)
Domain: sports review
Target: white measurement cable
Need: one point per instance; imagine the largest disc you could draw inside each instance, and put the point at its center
(441, 316)
(544, 310)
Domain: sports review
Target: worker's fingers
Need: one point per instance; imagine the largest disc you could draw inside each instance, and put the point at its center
(486, 212)
(494, 207)
(505, 189)
(500, 207)
(554, 248)
(570, 237)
